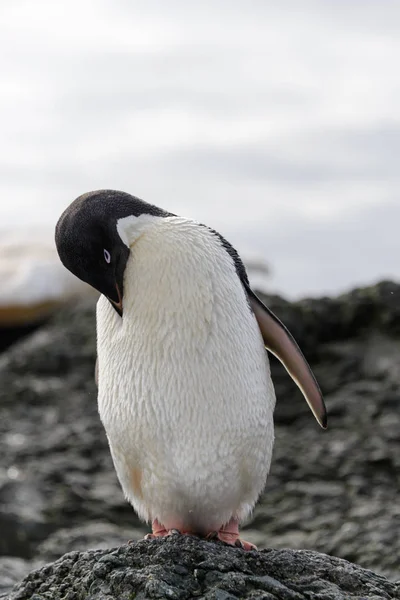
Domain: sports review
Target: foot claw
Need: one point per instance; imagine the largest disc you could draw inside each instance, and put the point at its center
(238, 542)
(229, 534)
(248, 546)
(160, 531)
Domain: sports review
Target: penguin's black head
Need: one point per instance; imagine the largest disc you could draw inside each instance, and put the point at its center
(89, 244)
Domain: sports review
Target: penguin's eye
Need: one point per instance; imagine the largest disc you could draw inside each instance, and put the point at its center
(107, 256)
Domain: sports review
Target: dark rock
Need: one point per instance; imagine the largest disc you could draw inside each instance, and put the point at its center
(12, 333)
(184, 567)
(334, 491)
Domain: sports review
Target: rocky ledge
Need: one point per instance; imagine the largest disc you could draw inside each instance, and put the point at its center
(184, 567)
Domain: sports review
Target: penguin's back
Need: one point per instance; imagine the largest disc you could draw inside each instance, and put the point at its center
(185, 392)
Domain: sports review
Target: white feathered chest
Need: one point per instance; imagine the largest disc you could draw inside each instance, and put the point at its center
(185, 393)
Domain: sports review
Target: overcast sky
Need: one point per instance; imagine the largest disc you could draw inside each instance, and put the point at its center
(277, 123)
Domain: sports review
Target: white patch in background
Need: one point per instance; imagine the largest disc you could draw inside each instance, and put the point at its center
(31, 271)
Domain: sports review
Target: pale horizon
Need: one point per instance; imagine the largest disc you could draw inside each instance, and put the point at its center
(278, 125)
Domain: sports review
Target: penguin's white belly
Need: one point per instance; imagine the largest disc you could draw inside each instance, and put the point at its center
(185, 393)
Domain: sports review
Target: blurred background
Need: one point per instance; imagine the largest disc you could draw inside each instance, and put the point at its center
(276, 123)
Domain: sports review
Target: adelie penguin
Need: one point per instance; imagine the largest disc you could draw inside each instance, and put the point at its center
(184, 387)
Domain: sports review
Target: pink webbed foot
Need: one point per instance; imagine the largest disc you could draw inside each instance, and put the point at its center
(229, 534)
(159, 530)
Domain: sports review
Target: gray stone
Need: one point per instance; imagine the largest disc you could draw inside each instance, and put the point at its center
(184, 567)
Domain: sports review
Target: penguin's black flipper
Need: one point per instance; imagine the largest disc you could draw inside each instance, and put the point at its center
(280, 342)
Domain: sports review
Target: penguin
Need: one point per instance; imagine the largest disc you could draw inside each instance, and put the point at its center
(184, 386)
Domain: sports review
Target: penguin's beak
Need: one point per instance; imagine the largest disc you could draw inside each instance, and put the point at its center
(117, 305)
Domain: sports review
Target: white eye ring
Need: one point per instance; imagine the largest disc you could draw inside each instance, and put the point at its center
(107, 256)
